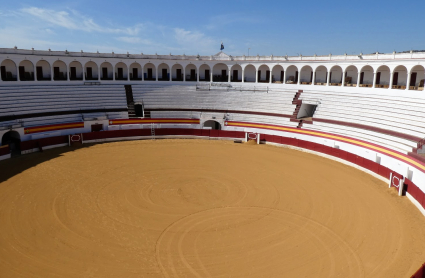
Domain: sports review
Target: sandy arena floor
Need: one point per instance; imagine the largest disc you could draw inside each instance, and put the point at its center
(195, 208)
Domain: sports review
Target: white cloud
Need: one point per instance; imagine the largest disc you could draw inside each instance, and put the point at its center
(134, 40)
(194, 40)
(74, 21)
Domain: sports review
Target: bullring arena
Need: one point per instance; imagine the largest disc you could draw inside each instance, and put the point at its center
(211, 166)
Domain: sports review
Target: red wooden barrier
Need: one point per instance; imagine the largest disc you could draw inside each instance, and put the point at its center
(43, 142)
(420, 273)
(4, 150)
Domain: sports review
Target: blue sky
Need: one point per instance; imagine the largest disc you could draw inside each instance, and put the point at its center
(191, 27)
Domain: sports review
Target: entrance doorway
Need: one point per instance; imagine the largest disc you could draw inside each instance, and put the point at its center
(13, 139)
(212, 124)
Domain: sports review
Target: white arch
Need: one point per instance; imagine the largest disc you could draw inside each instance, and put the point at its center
(136, 71)
(191, 72)
(292, 75)
(121, 71)
(60, 70)
(220, 72)
(351, 76)
(277, 74)
(320, 75)
(178, 72)
(263, 72)
(75, 70)
(91, 71)
(249, 72)
(205, 72)
(306, 75)
(236, 73)
(383, 77)
(149, 72)
(335, 75)
(9, 70)
(163, 71)
(26, 71)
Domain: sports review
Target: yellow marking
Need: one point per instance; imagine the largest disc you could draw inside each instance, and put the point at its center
(402, 157)
(37, 129)
(153, 121)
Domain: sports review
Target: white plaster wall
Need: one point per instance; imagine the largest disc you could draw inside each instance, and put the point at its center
(45, 67)
(29, 67)
(419, 77)
(202, 69)
(124, 69)
(149, 66)
(139, 70)
(263, 70)
(10, 67)
(336, 75)
(94, 68)
(321, 75)
(276, 72)
(249, 73)
(109, 67)
(188, 70)
(219, 67)
(174, 70)
(163, 66)
(78, 68)
(61, 65)
(402, 76)
(353, 73)
(306, 74)
(368, 75)
(239, 69)
(290, 71)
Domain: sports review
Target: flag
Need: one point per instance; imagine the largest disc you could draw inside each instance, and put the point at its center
(222, 46)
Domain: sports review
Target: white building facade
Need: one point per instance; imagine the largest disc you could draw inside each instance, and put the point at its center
(396, 71)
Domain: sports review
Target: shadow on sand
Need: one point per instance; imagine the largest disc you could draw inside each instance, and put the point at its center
(18, 164)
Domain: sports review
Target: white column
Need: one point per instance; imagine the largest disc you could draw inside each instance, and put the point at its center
(113, 73)
(229, 76)
(128, 74)
(211, 76)
(314, 78)
(143, 75)
(171, 74)
(197, 76)
(51, 73)
(343, 79)
(328, 78)
(68, 78)
(391, 80)
(84, 73)
(243, 75)
(98, 73)
(358, 79)
(184, 74)
(299, 78)
(409, 77)
(374, 80)
(156, 74)
(284, 77)
(270, 76)
(256, 76)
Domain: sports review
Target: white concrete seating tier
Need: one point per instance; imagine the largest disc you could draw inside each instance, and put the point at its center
(229, 116)
(40, 99)
(392, 142)
(187, 97)
(382, 111)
